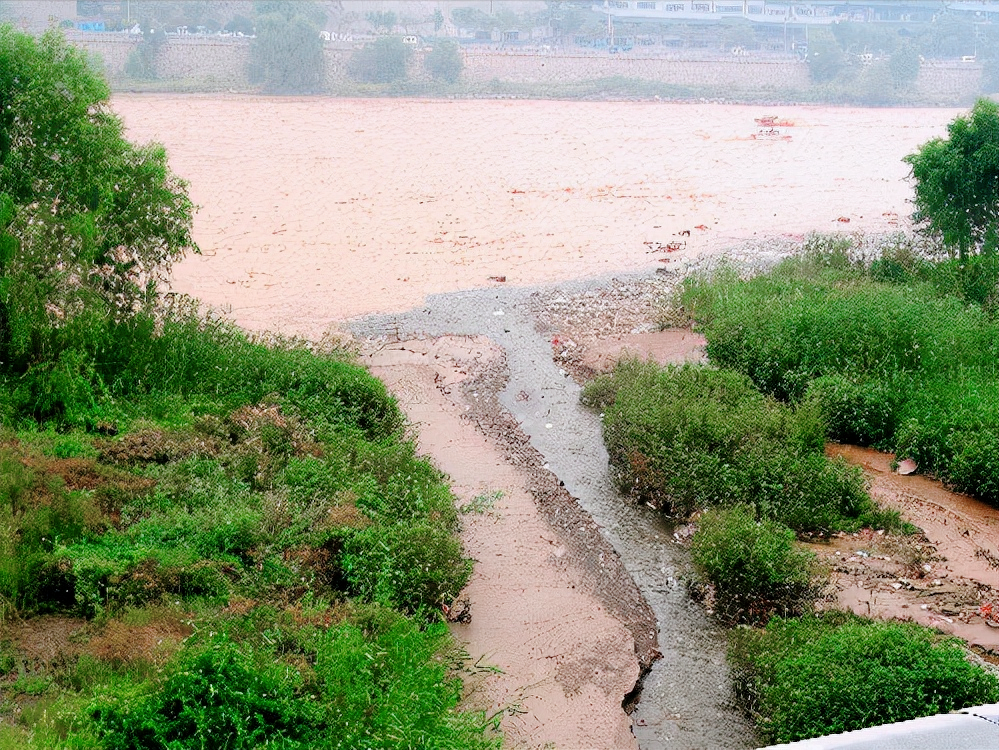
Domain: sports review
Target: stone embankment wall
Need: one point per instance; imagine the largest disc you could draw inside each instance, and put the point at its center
(737, 73)
(220, 63)
(949, 81)
(212, 61)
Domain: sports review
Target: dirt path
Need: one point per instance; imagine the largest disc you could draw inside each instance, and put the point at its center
(566, 662)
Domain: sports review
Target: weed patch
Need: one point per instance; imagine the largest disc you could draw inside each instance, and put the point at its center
(225, 488)
(835, 672)
(693, 437)
(899, 351)
(754, 567)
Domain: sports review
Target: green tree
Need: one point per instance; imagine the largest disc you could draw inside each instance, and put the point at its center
(738, 34)
(382, 21)
(858, 37)
(904, 65)
(444, 61)
(239, 25)
(287, 55)
(875, 85)
(472, 18)
(825, 58)
(384, 61)
(88, 221)
(141, 63)
(957, 182)
(952, 36)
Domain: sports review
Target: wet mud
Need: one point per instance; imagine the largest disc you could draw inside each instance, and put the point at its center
(315, 210)
(946, 578)
(548, 651)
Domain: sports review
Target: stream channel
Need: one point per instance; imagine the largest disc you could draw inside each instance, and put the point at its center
(687, 699)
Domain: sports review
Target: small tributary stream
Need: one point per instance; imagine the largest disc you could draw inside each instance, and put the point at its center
(687, 700)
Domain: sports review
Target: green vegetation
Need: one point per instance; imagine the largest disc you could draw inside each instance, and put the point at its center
(444, 62)
(382, 21)
(88, 221)
(236, 539)
(836, 672)
(754, 566)
(694, 437)
(287, 55)
(899, 352)
(825, 58)
(377, 684)
(386, 60)
(957, 182)
(904, 65)
(141, 63)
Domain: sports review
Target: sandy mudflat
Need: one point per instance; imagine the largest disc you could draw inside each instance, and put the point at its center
(565, 663)
(315, 210)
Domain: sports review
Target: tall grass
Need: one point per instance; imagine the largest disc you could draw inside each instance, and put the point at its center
(264, 494)
(835, 672)
(755, 568)
(98, 369)
(901, 353)
(691, 437)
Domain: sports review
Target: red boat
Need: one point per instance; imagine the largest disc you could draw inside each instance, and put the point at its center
(774, 122)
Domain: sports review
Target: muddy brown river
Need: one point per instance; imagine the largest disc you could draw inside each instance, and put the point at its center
(403, 221)
(316, 210)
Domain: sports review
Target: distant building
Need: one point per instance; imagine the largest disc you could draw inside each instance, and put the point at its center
(38, 15)
(815, 13)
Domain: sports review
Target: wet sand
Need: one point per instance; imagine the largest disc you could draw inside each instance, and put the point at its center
(316, 210)
(943, 583)
(623, 554)
(565, 662)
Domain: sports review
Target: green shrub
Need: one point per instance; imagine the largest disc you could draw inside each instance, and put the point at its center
(444, 62)
(286, 53)
(836, 672)
(754, 566)
(693, 437)
(392, 690)
(951, 430)
(382, 683)
(98, 363)
(901, 354)
(783, 334)
(865, 412)
(216, 694)
(113, 573)
(386, 60)
(413, 568)
(600, 392)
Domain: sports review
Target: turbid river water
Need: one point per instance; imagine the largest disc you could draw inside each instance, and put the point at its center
(317, 210)
(397, 219)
